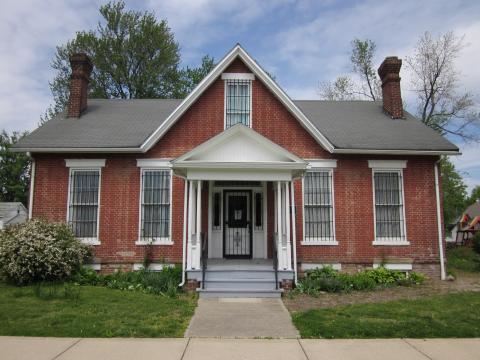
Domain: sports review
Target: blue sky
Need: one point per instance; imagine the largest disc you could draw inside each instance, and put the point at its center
(302, 42)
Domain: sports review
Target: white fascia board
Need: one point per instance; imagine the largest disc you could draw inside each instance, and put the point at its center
(238, 165)
(154, 163)
(258, 71)
(85, 163)
(238, 76)
(387, 164)
(78, 150)
(396, 152)
(322, 163)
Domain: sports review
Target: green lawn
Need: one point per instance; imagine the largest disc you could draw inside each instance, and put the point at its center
(455, 315)
(88, 311)
(463, 259)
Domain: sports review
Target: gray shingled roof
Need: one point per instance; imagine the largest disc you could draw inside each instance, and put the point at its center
(128, 123)
(105, 124)
(12, 213)
(364, 125)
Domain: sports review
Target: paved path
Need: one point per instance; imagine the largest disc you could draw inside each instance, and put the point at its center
(241, 318)
(19, 348)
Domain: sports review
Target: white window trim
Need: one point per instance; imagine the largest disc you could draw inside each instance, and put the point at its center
(387, 164)
(89, 240)
(238, 76)
(225, 102)
(319, 164)
(161, 240)
(387, 241)
(320, 241)
(85, 163)
(154, 163)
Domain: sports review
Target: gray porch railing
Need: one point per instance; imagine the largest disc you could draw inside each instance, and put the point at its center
(204, 239)
(275, 258)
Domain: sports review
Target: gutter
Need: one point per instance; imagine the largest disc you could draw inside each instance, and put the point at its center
(294, 229)
(184, 238)
(439, 222)
(32, 189)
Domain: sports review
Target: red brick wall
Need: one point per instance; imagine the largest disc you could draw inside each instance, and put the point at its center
(352, 178)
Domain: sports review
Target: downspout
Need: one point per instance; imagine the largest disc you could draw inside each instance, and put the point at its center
(184, 240)
(32, 188)
(294, 229)
(439, 222)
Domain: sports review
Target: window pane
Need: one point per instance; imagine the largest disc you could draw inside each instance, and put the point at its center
(388, 205)
(258, 211)
(237, 102)
(216, 211)
(155, 204)
(318, 205)
(83, 206)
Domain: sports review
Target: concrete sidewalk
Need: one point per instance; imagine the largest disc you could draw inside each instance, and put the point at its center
(236, 349)
(241, 318)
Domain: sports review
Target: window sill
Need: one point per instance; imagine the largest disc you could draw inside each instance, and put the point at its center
(319, 242)
(156, 242)
(391, 242)
(89, 241)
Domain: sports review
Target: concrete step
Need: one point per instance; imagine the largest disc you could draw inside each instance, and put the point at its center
(239, 293)
(257, 284)
(214, 274)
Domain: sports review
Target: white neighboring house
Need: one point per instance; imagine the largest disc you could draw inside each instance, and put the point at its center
(12, 213)
(472, 211)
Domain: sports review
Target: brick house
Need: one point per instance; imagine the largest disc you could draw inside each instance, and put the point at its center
(242, 186)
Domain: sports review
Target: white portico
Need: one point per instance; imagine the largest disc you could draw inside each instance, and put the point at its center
(234, 169)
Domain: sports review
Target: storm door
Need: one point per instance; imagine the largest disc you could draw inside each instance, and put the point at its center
(237, 233)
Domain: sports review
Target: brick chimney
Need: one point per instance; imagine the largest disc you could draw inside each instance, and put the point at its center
(392, 96)
(81, 70)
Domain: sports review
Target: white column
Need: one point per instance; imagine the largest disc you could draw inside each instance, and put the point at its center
(294, 229)
(190, 226)
(288, 250)
(279, 227)
(199, 225)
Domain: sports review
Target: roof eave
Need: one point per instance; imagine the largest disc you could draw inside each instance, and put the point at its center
(396, 152)
(76, 150)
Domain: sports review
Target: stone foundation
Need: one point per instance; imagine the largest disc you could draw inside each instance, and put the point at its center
(191, 285)
(286, 285)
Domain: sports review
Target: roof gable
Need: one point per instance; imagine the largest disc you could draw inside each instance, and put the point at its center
(236, 52)
(239, 144)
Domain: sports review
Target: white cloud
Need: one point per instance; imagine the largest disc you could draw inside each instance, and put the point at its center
(29, 32)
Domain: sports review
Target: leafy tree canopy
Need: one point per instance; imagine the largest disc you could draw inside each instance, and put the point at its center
(14, 170)
(454, 191)
(134, 55)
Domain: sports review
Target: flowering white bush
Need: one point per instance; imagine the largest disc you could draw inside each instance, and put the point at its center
(39, 250)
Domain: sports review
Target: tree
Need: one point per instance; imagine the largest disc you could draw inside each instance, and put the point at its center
(454, 191)
(190, 77)
(435, 81)
(14, 170)
(365, 85)
(134, 56)
(474, 196)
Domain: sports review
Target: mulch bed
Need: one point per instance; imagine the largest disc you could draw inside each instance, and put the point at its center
(463, 282)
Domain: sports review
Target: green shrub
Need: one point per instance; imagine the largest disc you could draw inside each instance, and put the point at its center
(329, 280)
(476, 243)
(39, 251)
(163, 282)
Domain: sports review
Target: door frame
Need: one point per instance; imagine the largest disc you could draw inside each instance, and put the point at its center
(250, 220)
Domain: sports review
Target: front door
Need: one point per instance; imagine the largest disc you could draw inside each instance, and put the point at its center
(237, 231)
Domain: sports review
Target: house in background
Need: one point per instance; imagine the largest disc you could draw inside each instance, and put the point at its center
(468, 220)
(12, 213)
(241, 185)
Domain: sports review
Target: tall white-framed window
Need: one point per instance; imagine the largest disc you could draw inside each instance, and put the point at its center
(238, 99)
(155, 206)
(389, 202)
(84, 198)
(318, 207)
